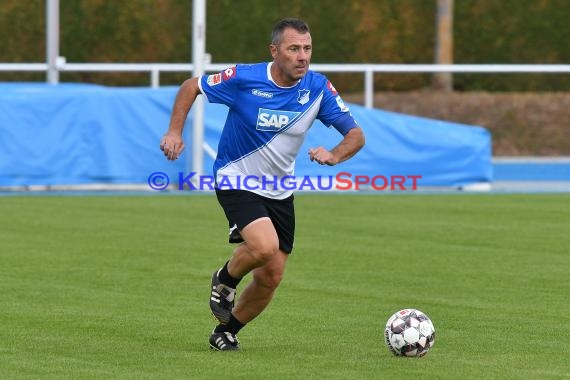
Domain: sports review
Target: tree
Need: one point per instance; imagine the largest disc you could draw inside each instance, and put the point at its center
(444, 44)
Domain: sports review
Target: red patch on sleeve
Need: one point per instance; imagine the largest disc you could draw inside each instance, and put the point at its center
(229, 73)
(331, 88)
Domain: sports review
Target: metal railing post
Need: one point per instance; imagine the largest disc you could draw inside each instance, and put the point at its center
(369, 88)
(198, 108)
(155, 77)
(52, 41)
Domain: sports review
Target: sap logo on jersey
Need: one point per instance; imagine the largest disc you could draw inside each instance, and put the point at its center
(273, 120)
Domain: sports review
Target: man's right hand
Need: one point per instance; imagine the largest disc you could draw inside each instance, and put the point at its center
(172, 145)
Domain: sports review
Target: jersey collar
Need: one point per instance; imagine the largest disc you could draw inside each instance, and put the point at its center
(270, 78)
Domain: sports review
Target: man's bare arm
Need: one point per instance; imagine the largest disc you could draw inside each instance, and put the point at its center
(172, 144)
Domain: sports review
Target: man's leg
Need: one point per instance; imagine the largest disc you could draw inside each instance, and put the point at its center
(260, 253)
(259, 292)
(267, 265)
(261, 244)
(264, 252)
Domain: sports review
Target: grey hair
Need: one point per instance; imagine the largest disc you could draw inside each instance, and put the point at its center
(277, 33)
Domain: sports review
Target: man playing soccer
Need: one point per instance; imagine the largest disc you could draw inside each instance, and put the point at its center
(271, 107)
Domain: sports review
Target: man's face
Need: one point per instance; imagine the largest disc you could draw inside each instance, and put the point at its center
(291, 57)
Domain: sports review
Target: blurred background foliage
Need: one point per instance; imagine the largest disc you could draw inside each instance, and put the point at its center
(357, 31)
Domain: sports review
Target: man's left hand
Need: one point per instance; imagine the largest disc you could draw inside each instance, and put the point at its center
(322, 156)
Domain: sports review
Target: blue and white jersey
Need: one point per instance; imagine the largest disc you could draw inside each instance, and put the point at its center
(267, 123)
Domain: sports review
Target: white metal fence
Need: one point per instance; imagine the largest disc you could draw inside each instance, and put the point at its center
(368, 70)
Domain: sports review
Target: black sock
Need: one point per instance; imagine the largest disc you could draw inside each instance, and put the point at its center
(233, 326)
(226, 279)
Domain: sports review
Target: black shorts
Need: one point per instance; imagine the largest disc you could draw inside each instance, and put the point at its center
(243, 207)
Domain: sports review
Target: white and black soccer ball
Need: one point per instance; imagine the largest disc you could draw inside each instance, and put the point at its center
(409, 332)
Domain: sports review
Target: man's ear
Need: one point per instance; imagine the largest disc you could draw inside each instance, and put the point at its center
(273, 50)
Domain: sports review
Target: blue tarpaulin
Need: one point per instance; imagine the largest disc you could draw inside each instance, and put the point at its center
(79, 134)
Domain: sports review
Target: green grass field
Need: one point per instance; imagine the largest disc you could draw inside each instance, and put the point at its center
(117, 287)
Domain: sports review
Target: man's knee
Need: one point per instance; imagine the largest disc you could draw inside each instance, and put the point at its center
(263, 250)
(261, 240)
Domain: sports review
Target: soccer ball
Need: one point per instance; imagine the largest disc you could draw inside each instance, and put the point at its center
(409, 332)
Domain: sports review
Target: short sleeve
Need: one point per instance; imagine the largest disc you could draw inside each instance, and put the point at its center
(334, 112)
(221, 87)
